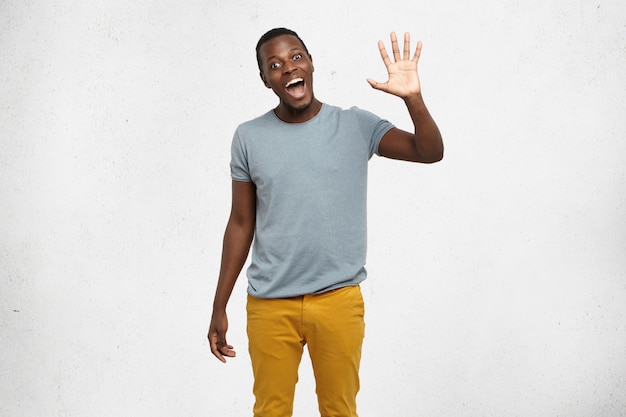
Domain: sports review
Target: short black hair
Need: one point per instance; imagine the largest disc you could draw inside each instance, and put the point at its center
(271, 34)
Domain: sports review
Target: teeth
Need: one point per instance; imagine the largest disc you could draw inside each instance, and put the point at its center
(294, 81)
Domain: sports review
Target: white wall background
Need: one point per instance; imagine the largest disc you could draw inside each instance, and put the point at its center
(497, 277)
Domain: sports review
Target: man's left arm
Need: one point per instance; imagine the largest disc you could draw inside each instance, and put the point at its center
(425, 143)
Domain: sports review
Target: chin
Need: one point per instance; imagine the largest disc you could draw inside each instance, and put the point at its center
(299, 107)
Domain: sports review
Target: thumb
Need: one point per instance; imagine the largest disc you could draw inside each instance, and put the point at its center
(376, 84)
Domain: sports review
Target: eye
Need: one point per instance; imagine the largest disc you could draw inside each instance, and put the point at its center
(297, 57)
(274, 65)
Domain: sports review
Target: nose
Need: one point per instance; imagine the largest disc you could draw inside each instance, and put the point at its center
(288, 67)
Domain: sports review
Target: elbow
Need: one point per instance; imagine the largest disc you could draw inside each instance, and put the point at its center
(430, 157)
(437, 156)
(429, 149)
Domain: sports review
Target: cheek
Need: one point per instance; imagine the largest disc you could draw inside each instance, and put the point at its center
(265, 80)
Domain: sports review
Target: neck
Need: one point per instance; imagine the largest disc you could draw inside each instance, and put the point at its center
(290, 114)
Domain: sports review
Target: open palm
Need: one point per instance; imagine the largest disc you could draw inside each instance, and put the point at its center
(403, 77)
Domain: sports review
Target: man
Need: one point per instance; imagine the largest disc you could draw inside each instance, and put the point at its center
(299, 189)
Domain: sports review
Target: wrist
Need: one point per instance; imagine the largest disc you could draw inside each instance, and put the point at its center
(414, 99)
(415, 105)
(219, 307)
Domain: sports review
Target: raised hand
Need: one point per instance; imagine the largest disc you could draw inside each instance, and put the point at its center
(403, 78)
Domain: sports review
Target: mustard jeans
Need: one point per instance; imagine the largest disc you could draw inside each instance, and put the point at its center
(331, 325)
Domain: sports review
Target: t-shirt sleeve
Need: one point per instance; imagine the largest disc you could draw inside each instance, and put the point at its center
(239, 170)
(372, 127)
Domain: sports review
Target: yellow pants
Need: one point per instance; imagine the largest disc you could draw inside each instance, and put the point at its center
(332, 326)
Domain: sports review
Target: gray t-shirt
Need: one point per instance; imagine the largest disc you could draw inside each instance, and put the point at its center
(311, 185)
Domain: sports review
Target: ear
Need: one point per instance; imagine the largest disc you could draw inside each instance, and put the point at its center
(311, 59)
(264, 79)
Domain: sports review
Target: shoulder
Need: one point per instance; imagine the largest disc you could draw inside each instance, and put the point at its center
(361, 113)
(266, 119)
(330, 109)
(353, 113)
(364, 118)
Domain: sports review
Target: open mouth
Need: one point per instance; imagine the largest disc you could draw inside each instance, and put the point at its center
(296, 87)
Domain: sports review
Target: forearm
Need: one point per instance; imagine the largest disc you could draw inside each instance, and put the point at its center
(428, 142)
(237, 241)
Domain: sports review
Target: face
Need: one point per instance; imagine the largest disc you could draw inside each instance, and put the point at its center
(287, 69)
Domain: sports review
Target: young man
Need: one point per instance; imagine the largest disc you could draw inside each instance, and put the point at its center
(299, 189)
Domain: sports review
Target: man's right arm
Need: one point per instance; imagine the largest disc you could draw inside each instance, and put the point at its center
(237, 240)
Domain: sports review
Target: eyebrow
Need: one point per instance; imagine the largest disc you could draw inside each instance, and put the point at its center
(296, 48)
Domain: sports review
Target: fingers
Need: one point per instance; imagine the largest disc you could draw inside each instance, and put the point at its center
(383, 53)
(220, 348)
(403, 79)
(213, 341)
(407, 48)
(418, 51)
(395, 49)
(407, 45)
(376, 84)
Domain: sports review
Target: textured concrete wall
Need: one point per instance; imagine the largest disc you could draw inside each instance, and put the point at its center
(497, 278)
